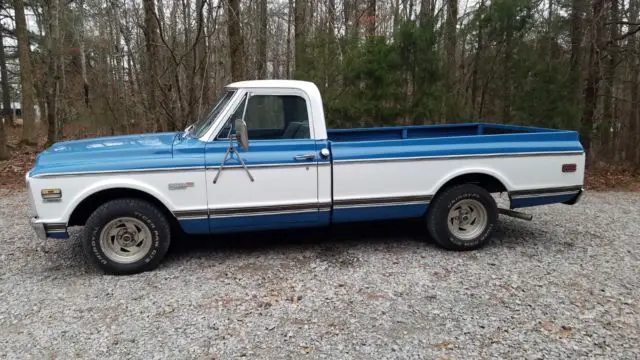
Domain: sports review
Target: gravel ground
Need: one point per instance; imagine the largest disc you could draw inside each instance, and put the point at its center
(563, 286)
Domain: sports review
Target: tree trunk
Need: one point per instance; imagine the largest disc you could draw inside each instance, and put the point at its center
(300, 37)
(289, 51)
(4, 150)
(450, 42)
(576, 35)
(506, 70)
(29, 130)
(7, 113)
(83, 58)
(608, 121)
(476, 62)
(152, 42)
(263, 33)
(594, 77)
(633, 133)
(371, 21)
(51, 40)
(332, 18)
(236, 42)
(426, 12)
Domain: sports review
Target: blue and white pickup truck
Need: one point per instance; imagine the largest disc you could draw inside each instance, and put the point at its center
(262, 158)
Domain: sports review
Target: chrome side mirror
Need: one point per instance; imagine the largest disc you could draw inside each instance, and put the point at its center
(242, 135)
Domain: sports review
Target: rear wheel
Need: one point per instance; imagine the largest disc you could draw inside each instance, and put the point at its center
(462, 217)
(126, 236)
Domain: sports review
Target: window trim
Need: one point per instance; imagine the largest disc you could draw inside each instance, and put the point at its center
(264, 92)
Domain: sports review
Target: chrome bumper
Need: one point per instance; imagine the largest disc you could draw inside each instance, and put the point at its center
(38, 227)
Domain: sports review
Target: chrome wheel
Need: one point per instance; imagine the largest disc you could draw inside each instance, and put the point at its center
(467, 219)
(125, 240)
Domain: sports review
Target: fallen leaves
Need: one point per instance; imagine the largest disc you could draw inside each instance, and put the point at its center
(605, 177)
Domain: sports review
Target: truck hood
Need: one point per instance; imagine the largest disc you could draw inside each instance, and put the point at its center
(105, 153)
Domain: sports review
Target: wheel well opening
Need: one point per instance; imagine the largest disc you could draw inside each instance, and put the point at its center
(82, 212)
(488, 182)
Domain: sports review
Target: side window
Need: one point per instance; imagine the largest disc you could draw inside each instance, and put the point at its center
(277, 117)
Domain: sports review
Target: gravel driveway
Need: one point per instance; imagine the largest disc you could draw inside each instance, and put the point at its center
(563, 286)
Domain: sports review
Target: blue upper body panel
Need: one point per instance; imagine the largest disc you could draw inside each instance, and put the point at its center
(177, 150)
(129, 152)
(448, 140)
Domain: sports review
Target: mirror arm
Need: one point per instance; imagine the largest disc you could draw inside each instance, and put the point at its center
(232, 150)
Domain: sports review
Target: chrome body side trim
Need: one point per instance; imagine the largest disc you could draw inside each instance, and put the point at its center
(191, 214)
(267, 166)
(124, 171)
(264, 209)
(383, 201)
(466, 156)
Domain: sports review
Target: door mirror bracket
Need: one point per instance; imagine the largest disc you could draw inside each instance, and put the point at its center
(242, 139)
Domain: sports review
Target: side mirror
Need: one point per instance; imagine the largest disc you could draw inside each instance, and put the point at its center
(242, 135)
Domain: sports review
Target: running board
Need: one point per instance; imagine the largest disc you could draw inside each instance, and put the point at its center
(515, 214)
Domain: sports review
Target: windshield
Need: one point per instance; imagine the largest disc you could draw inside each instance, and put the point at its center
(201, 126)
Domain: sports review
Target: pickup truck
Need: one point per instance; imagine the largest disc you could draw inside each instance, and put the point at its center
(262, 158)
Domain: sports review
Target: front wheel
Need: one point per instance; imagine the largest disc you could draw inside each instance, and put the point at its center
(463, 217)
(126, 236)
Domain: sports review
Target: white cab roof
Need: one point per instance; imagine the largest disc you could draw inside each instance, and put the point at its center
(306, 86)
(312, 91)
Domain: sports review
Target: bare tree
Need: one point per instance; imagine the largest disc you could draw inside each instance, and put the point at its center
(633, 87)
(29, 130)
(236, 42)
(576, 34)
(608, 122)
(151, 61)
(450, 44)
(52, 82)
(83, 59)
(7, 113)
(300, 37)
(371, 21)
(263, 33)
(594, 74)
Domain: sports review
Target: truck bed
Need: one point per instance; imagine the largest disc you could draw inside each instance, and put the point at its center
(448, 140)
(407, 165)
(429, 131)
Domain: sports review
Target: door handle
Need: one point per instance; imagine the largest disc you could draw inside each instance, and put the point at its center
(304, 157)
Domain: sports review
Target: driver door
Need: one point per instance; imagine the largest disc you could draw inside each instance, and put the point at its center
(282, 158)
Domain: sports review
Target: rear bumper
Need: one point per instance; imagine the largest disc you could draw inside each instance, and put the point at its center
(576, 198)
(49, 230)
(569, 195)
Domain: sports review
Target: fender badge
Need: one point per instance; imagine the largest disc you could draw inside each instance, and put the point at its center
(180, 186)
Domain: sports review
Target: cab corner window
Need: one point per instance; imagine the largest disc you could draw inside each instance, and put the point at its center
(271, 117)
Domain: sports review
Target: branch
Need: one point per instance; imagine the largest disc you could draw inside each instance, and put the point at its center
(623, 23)
(630, 33)
(611, 42)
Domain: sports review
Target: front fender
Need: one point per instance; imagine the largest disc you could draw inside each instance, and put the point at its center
(108, 184)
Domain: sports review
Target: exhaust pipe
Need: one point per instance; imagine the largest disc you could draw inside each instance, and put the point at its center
(515, 214)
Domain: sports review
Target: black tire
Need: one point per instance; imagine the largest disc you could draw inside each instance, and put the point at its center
(148, 214)
(438, 214)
